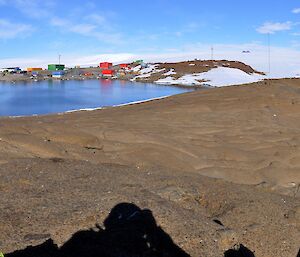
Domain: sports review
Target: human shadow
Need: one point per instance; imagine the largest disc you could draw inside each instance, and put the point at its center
(128, 232)
(240, 251)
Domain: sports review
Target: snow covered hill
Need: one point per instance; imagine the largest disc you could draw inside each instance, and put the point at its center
(199, 73)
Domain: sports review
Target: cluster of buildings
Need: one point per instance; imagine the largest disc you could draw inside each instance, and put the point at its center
(53, 69)
(108, 70)
(105, 69)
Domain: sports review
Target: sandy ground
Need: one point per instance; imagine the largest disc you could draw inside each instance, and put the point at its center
(230, 154)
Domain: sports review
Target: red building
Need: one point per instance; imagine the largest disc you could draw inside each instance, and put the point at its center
(105, 65)
(108, 72)
(124, 65)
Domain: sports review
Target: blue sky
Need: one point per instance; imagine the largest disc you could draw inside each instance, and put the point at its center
(44, 28)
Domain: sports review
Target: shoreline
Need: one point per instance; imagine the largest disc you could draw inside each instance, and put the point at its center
(196, 88)
(87, 109)
(11, 82)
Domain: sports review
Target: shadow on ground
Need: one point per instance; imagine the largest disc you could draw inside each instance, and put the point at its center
(240, 251)
(129, 232)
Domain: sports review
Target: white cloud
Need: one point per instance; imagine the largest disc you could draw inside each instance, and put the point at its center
(10, 30)
(31, 8)
(193, 26)
(271, 28)
(84, 29)
(100, 20)
(296, 10)
(91, 29)
(93, 25)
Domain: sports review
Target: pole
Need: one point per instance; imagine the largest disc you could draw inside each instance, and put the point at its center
(212, 52)
(269, 52)
(59, 56)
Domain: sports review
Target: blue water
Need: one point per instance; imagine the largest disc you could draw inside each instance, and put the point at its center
(47, 97)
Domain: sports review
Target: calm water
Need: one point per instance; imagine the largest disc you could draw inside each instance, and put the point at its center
(47, 97)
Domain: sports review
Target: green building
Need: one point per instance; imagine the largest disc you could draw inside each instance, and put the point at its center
(56, 67)
(138, 62)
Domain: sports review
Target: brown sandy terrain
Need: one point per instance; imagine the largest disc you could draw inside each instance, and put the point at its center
(230, 154)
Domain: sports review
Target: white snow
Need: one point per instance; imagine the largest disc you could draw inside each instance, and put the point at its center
(147, 75)
(217, 77)
(192, 64)
(147, 72)
(137, 68)
(167, 81)
(222, 76)
(149, 69)
(170, 72)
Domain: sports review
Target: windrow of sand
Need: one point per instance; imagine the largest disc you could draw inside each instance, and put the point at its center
(227, 154)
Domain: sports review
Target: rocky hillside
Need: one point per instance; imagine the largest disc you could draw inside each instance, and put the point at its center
(193, 73)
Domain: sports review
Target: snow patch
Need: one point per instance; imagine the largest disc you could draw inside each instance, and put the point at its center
(217, 77)
(167, 81)
(149, 69)
(222, 76)
(137, 68)
(147, 72)
(170, 72)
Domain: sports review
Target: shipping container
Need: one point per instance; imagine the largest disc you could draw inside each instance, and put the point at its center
(34, 69)
(58, 73)
(124, 65)
(105, 65)
(11, 69)
(138, 62)
(56, 67)
(108, 73)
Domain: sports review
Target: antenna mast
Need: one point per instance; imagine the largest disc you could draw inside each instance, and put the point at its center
(269, 53)
(212, 52)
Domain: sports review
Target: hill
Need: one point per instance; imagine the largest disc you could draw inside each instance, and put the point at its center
(197, 73)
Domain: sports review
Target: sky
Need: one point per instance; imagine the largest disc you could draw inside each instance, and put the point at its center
(35, 32)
